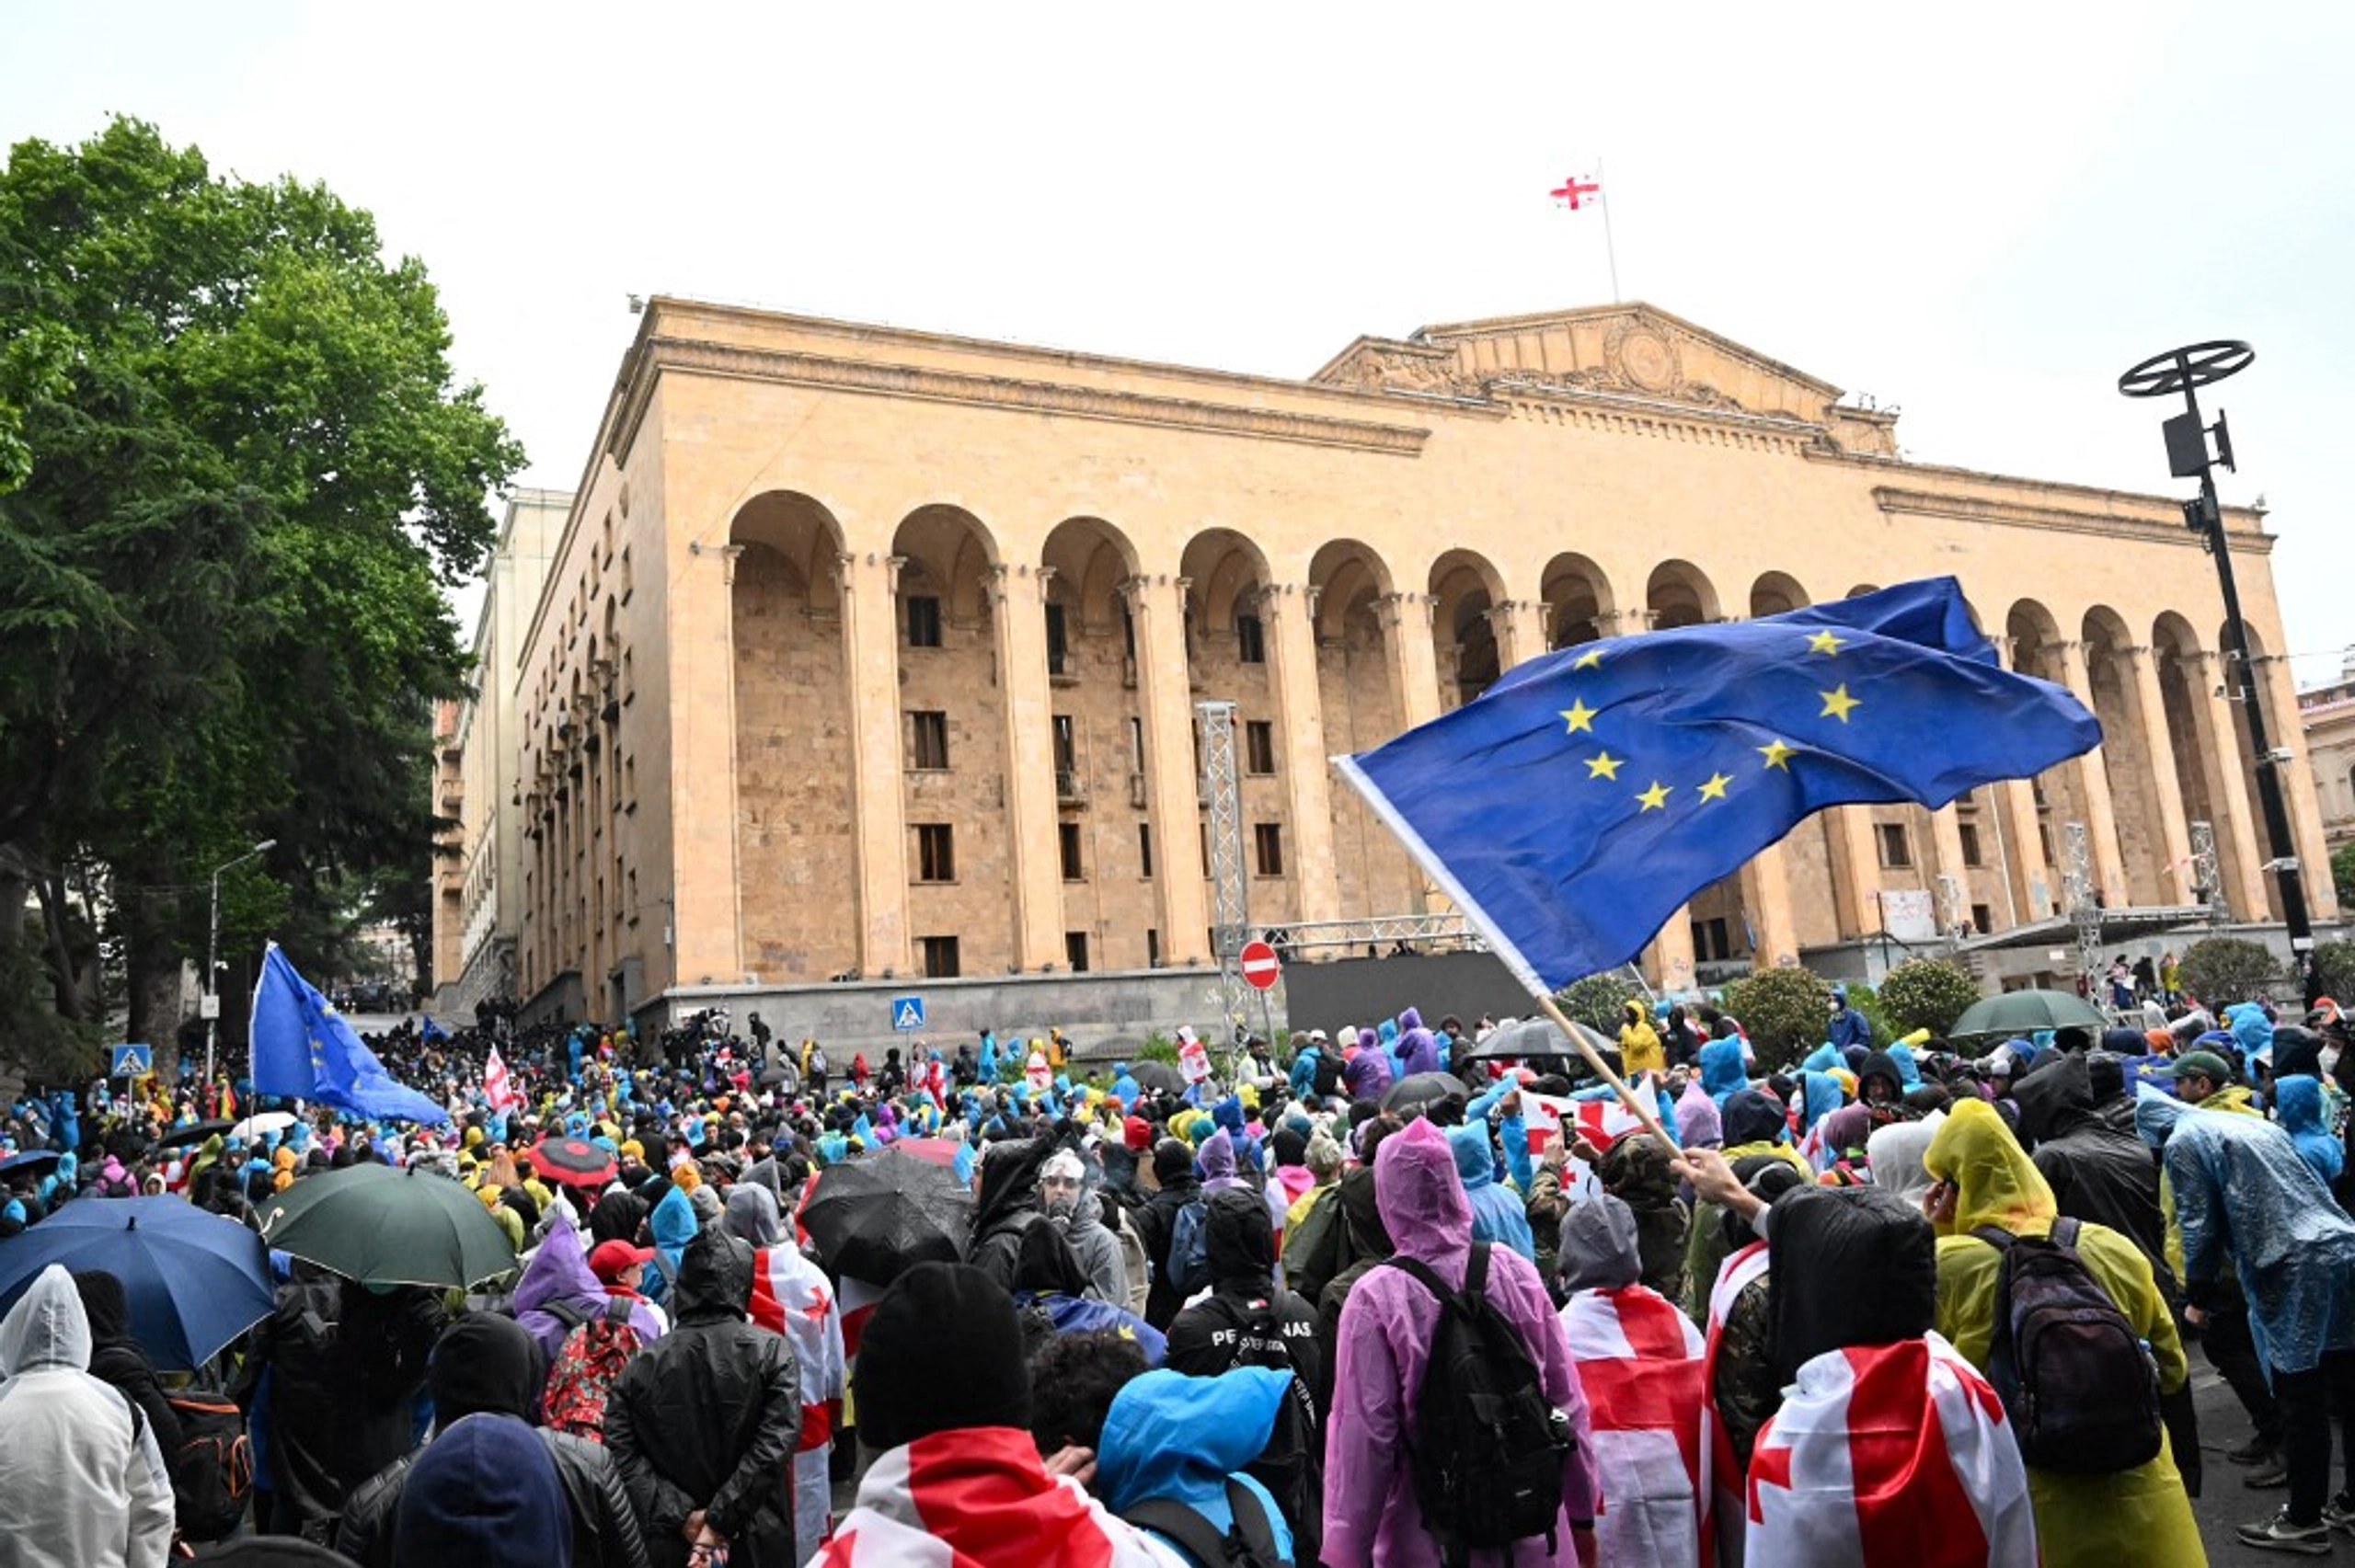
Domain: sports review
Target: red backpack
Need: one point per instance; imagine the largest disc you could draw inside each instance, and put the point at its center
(588, 1363)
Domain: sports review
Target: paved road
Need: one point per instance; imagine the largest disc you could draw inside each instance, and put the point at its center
(2227, 1503)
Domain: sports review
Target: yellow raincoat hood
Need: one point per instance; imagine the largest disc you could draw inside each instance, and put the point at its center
(1995, 1183)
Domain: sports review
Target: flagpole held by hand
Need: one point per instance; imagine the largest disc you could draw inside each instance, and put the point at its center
(1646, 1114)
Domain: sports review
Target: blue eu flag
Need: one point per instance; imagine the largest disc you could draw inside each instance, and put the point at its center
(304, 1048)
(1572, 808)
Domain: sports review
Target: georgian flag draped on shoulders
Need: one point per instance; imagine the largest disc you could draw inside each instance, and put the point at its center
(498, 1089)
(1721, 1477)
(1639, 1362)
(1894, 1456)
(968, 1499)
(790, 1297)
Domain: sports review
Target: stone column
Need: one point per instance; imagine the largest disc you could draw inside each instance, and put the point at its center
(1857, 864)
(1158, 605)
(2024, 849)
(2093, 773)
(1670, 956)
(2174, 831)
(1767, 895)
(2298, 788)
(710, 935)
(1289, 615)
(1407, 627)
(1018, 611)
(2250, 898)
(869, 584)
(728, 556)
(1520, 625)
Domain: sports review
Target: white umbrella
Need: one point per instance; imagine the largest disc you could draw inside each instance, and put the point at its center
(253, 1126)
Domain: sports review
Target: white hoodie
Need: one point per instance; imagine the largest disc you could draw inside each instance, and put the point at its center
(81, 1483)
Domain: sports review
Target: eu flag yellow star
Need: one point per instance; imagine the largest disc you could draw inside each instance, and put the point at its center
(1716, 788)
(1654, 799)
(1777, 755)
(1825, 643)
(1602, 765)
(1589, 660)
(1580, 715)
(1837, 703)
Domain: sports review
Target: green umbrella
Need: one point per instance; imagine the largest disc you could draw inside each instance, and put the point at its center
(381, 1226)
(2025, 1011)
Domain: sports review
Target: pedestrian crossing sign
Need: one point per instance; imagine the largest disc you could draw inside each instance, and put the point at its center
(132, 1061)
(907, 1013)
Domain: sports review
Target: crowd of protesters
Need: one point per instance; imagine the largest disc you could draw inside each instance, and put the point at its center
(1388, 1300)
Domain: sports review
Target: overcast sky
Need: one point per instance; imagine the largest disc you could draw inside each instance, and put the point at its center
(1984, 223)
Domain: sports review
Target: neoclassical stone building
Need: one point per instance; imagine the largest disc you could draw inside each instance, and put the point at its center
(871, 652)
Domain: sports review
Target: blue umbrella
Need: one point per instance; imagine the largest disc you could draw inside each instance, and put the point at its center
(30, 1159)
(195, 1280)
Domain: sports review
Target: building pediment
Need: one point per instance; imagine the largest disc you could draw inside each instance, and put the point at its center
(1634, 352)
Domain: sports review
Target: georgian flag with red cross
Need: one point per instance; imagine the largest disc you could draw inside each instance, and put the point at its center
(1638, 1357)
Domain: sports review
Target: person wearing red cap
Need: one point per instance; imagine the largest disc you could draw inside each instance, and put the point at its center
(620, 1268)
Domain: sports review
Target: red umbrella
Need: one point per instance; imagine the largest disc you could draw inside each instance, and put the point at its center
(575, 1161)
(938, 1151)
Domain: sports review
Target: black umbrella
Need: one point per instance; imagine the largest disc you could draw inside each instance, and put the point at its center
(573, 1160)
(876, 1217)
(1418, 1094)
(1534, 1037)
(1157, 1075)
(196, 1132)
(31, 1161)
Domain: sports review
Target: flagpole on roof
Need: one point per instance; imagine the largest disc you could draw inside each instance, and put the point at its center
(1610, 250)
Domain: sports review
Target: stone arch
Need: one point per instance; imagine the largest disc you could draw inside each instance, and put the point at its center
(1465, 588)
(2116, 689)
(792, 750)
(1579, 606)
(1097, 736)
(947, 552)
(1226, 571)
(1091, 559)
(1357, 693)
(1861, 590)
(1776, 593)
(1679, 593)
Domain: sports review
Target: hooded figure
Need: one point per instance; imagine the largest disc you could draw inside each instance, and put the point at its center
(1638, 1363)
(1006, 1209)
(1386, 1334)
(1248, 1320)
(1889, 1450)
(117, 1359)
(1894, 1152)
(792, 1297)
(1496, 1215)
(1699, 1123)
(483, 1492)
(1723, 1073)
(2139, 1516)
(673, 1224)
(2095, 1173)
(1069, 1199)
(485, 1365)
(1640, 1051)
(2297, 1101)
(1182, 1439)
(705, 1418)
(82, 1482)
(557, 1293)
(1368, 1072)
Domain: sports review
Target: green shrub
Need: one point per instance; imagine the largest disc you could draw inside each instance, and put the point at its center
(2335, 967)
(1865, 999)
(1786, 1013)
(1596, 1000)
(2221, 970)
(1926, 993)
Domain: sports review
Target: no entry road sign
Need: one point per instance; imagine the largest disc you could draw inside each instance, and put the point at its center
(1261, 966)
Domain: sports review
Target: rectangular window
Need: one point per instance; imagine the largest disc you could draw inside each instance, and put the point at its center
(1058, 642)
(1136, 745)
(1066, 742)
(2044, 841)
(1067, 840)
(936, 853)
(1250, 639)
(1151, 948)
(1144, 851)
(1712, 941)
(928, 740)
(924, 620)
(1258, 746)
(1206, 849)
(1971, 844)
(939, 956)
(1982, 918)
(1075, 951)
(1268, 847)
(1895, 853)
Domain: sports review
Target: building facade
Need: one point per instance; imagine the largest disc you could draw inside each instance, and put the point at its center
(479, 892)
(869, 654)
(2326, 715)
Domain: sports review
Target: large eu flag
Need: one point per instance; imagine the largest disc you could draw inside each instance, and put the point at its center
(1580, 800)
(304, 1049)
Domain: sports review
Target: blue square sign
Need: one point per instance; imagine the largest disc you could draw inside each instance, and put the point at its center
(131, 1061)
(907, 1013)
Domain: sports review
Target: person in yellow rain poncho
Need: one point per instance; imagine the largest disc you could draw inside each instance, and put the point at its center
(1984, 1178)
(1639, 1047)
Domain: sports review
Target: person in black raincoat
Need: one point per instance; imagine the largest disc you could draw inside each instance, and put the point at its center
(704, 1422)
(1007, 1208)
(1179, 1184)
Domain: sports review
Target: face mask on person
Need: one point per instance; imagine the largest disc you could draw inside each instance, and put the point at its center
(1059, 1188)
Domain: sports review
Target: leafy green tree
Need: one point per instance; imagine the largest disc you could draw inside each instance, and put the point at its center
(2342, 872)
(242, 473)
(2221, 970)
(1596, 1001)
(2335, 966)
(1926, 993)
(1786, 1013)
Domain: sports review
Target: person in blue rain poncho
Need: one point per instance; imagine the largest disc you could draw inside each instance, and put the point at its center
(1497, 1215)
(673, 1224)
(1184, 1439)
(2297, 1101)
(1723, 1073)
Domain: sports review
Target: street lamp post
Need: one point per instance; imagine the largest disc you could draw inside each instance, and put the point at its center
(213, 956)
(2189, 455)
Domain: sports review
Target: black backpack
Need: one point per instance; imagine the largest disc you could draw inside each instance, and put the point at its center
(1292, 1466)
(2081, 1392)
(1488, 1446)
(1327, 1081)
(212, 1473)
(1248, 1542)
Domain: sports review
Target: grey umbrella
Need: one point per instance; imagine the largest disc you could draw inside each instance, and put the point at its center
(1534, 1037)
(2024, 1012)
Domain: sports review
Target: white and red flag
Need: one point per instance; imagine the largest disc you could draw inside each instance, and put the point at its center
(1895, 1456)
(1720, 1476)
(1638, 1357)
(1579, 192)
(498, 1087)
(790, 1297)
